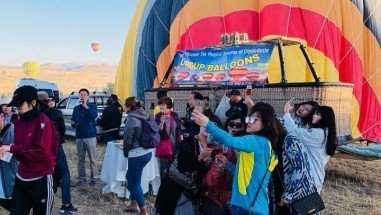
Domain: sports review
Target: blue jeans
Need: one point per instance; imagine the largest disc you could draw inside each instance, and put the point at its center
(134, 177)
(62, 175)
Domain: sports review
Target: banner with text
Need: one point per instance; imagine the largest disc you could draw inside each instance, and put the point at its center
(235, 65)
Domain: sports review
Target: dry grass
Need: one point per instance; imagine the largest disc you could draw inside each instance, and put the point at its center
(351, 187)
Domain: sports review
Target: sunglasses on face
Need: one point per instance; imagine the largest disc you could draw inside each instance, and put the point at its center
(252, 119)
(235, 124)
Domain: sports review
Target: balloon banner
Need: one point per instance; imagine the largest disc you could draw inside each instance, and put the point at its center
(233, 65)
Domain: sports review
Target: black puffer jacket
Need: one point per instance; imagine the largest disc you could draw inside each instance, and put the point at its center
(111, 118)
(56, 117)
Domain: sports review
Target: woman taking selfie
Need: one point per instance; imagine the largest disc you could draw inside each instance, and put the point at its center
(256, 158)
(320, 140)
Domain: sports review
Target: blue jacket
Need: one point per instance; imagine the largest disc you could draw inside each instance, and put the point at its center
(255, 163)
(7, 170)
(85, 120)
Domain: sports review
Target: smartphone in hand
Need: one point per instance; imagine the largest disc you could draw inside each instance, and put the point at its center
(199, 106)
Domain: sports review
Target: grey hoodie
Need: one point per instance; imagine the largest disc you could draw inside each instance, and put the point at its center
(133, 130)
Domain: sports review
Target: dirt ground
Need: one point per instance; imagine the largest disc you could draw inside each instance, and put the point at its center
(351, 187)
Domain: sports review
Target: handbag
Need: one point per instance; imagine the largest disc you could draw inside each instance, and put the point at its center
(310, 204)
(164, 147)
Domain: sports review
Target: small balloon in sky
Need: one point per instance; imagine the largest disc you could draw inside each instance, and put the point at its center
(31, 69)
(95, 46)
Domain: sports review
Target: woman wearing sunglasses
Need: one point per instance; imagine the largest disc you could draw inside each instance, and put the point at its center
(316, 144)
(218, 181)
(256, 158)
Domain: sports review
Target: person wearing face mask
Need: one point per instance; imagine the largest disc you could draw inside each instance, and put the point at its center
(35, 147)
(256, 158)
(83, 120)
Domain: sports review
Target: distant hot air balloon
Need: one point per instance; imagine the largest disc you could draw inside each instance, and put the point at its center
(95, 46)
(31, 68)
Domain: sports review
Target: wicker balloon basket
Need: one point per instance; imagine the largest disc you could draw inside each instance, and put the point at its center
(336, 95)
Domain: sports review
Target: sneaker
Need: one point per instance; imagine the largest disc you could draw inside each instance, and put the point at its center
(70, 209)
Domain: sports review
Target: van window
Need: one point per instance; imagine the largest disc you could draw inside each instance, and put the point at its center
(99, 101)
(73, 102)
(62, 104)
(56, 96)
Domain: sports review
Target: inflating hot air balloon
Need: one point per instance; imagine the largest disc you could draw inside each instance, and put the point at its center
(95, 46)
(342, 37)
(31, 69)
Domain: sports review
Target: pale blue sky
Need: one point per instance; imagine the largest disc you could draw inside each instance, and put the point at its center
(60, 31)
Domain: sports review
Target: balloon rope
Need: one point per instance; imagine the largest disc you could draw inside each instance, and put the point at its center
(358, 36)
(147, 58)
(223, 15)
(188, 30)
(288, 19)
(157, 15)
(366, 131)
(325, 21)
(377, 71)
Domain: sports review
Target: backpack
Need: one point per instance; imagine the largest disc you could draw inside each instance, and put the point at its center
(150, 134)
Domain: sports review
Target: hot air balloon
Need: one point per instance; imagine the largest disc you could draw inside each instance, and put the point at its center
(31, 69)
(343, 39)
(95, 46)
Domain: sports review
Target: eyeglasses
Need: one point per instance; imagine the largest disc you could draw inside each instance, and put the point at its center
(235, 124)
(252, 119)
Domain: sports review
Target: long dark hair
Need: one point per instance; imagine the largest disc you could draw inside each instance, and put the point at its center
(327, 122)
(308, 119)
(272, 128)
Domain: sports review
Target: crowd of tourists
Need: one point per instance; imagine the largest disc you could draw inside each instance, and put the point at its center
(239, 159)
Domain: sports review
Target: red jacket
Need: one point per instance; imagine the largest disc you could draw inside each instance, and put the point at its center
(219, 183)
(35, 147)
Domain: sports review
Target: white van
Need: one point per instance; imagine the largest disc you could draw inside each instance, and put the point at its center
(48, 87)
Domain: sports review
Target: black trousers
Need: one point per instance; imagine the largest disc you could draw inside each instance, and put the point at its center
(36, 194)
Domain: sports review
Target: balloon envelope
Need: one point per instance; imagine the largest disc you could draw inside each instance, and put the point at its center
(95, 46)
(31, 68)
(343, 47)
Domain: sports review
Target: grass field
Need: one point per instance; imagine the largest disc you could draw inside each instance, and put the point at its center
(351, 187)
